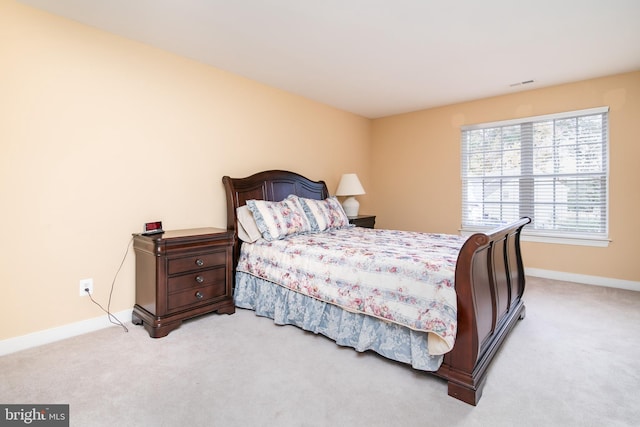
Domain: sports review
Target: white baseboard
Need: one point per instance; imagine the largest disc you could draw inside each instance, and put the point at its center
(47, 336)
(585, 279)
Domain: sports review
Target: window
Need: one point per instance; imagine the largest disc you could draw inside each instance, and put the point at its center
(553, 169)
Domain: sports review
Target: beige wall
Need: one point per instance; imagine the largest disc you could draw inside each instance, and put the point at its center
(416, 169)
(100, 134)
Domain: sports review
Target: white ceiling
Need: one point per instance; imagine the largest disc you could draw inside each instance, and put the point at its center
(382, 57)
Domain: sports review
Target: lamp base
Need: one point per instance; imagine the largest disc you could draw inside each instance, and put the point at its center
(351, 206)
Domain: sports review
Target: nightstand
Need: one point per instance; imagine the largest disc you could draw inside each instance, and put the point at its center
(367, 221)
(181, 274)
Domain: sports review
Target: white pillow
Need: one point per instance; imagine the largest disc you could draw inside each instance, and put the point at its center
(247, 228)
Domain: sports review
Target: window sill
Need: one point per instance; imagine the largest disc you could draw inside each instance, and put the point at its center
(558, 240)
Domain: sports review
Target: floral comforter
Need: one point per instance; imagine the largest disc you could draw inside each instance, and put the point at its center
(402, 277)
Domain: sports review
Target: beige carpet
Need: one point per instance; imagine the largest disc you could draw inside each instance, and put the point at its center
(573, 361)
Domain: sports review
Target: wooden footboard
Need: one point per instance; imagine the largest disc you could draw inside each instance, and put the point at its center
(489, 284)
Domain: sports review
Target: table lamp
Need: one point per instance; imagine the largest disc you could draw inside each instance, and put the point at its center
(350, 186)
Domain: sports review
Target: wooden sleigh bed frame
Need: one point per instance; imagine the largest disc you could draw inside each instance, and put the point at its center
(489, 280)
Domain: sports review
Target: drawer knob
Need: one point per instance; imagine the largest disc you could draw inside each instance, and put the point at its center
(199, 262)
(199, 295)
(199, 279)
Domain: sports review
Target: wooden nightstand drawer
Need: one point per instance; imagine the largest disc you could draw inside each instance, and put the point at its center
(181, 274)
(196, 279)
(193, 297)
(181, 265)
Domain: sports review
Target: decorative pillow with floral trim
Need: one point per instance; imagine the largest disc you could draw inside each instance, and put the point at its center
(277, 220)
(325, 214)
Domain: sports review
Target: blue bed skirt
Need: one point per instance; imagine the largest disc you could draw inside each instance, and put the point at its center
(349, 329)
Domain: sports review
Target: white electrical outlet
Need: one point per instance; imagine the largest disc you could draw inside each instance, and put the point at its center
(86, 284)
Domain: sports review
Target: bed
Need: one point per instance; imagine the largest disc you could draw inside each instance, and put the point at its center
(486, 275)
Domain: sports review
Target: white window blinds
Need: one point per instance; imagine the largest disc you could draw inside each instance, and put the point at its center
(553, 169)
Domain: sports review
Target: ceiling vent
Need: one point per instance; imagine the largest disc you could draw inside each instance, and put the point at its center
(526, 82)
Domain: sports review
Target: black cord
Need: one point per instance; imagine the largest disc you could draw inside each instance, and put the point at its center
(117, 322)
(108, 310)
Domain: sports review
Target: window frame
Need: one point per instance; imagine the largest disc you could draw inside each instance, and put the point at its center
(530, 233)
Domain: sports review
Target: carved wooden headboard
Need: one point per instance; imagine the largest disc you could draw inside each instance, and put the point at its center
(272, 185)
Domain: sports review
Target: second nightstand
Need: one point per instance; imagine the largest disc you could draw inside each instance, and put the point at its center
(367, 221)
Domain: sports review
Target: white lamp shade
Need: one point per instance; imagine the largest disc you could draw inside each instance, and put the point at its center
(349, 185)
